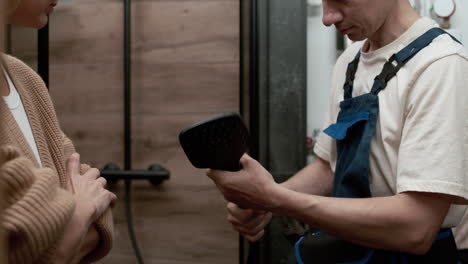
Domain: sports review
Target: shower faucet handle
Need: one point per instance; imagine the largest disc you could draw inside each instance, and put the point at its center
(156, 174)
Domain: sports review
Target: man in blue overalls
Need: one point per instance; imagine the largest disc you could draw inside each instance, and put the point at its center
(391, 177)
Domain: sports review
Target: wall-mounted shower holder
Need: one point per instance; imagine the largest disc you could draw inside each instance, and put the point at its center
(155, 174)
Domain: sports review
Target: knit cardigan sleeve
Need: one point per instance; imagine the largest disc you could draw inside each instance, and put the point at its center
(3, 234)
(104, 225)
(36, 211)
(64, 149)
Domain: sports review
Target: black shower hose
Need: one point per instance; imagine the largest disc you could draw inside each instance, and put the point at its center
(128, 213)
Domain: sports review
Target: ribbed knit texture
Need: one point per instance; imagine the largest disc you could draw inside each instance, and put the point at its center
(3, 237)
(53, 146)
(37, 210)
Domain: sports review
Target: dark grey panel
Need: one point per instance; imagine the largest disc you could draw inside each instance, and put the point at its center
(278, 104)
(287, 87)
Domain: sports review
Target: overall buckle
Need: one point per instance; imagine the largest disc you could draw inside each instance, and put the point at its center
(351, 73)
(390, 69)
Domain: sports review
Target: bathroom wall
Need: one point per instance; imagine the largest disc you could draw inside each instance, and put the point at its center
(185, 69)
(321, 56)
(459, 20)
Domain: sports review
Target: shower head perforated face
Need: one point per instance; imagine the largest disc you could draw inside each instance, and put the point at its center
(217, 143)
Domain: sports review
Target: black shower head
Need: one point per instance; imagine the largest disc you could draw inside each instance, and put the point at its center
(217, 143)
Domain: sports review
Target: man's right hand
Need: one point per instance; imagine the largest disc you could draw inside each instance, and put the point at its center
(249, 223)
(92, 199)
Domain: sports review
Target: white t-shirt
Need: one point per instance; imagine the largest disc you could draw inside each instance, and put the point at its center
(421, 138)
(14, 103)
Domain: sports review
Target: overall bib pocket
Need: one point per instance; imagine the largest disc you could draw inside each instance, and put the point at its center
(339, 130)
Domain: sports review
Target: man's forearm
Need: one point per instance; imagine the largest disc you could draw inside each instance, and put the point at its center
(406, 222)
(316, 178)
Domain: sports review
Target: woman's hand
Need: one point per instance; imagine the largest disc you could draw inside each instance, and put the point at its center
(249, 223)
(91, 202)
(92, 199)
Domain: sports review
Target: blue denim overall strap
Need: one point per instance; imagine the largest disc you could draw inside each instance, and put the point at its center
(350, 75)
(357, 119)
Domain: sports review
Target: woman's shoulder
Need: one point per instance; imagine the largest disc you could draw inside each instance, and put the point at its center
(13, 63)
(23, 74)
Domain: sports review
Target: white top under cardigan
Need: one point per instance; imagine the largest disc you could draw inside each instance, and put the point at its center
(14, 103)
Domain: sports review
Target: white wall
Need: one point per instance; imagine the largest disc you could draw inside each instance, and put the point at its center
(459, 20)
(321, 57)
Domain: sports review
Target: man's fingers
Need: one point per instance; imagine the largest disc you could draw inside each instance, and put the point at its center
(255, 222)
(252, 227)
(240, 214)
(236, 222)
(218, 176)
(209, 173)
(245, 159)
(214, 175)
(257, 229)
(256, 237)
(248, 162)
(267, 218)
(249, 233)
(248, 224)
(243, 214)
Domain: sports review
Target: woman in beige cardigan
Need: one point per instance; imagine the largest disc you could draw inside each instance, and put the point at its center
(57, 210)
(3, 237)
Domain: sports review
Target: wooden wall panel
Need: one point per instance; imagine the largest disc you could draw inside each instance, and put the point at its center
(185, 88)
(171, 233)
(185, 69)
(23, 44)
(87, 32)
(187, 32)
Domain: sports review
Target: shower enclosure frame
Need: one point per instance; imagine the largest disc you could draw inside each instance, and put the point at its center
(43, 54)
(156, 174)
(273, 86)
